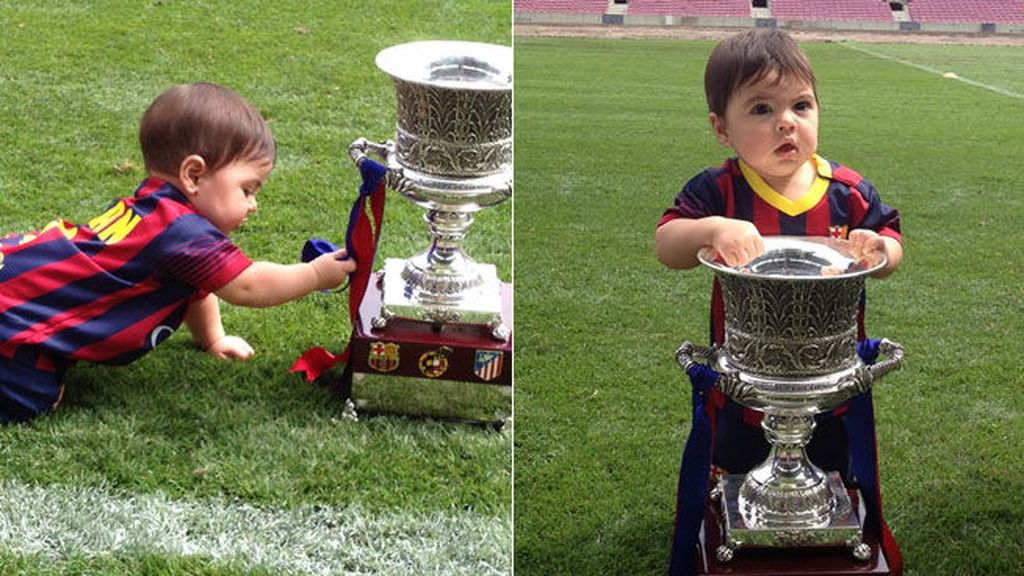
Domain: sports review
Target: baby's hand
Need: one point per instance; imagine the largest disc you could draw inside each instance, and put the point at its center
(230, 348)
(737, 241)
(332, 269)
(864, 241)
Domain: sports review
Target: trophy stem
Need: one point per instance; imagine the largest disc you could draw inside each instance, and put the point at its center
(443, 273)
(448, 229)
(788, 437)
(787, 490)
(442, 285)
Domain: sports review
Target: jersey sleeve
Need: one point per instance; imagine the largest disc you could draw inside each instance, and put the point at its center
(875, 214)
(699, 197)
(194, 252)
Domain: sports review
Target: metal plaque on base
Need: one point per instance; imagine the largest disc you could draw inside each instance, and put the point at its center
(790, 352)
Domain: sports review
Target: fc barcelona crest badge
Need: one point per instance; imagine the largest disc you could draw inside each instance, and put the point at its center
(488, 363)
(838, 231)
(435, 362)
(383, 356)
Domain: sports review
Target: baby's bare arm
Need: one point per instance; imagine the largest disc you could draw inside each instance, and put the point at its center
(677, 242)
(203, 321)
(266, 284)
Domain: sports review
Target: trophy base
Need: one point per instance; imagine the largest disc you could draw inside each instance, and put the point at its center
(456, 372)
(822, 551)
(480, 304)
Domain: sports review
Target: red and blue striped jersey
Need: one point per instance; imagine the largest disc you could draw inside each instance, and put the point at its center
(838, 201)
(112, 289)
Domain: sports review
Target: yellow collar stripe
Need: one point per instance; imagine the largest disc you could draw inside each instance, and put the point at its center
(810, 198)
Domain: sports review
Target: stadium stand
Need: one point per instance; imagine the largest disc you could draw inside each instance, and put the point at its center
(853, 10)
(961, 11)
(567, 6)
(728, 8)
(947, 16)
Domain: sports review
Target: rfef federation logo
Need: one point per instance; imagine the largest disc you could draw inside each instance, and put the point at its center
(435, 362)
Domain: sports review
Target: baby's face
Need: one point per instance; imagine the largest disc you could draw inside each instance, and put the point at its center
(227, 196)
(772, 125)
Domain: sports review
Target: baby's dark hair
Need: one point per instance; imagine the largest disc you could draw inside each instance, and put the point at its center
(205, 119)
(749, 57)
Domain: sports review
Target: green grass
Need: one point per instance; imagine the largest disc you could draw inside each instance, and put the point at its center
(607, 131)
(996, 66)
(142, 565)
(74, 82)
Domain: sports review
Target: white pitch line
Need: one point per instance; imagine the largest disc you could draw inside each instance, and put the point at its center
(989, 87)
(61, 521)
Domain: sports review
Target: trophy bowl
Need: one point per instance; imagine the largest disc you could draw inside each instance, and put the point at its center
(453, 139)
(791, 319)
(452, 156)
(790, 351)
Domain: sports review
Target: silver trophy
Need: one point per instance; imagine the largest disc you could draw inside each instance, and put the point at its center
(452, 156)
(790, 352)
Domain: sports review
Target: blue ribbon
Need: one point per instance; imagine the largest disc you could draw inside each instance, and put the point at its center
(691, 493)
(860, 431)
(371, 173)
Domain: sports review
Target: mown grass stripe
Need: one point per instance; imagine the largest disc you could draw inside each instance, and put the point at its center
(61, 522)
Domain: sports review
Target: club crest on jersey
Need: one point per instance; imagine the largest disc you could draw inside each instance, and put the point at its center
(488, 363)
(838, 231)
(435, 362)
(383, 356)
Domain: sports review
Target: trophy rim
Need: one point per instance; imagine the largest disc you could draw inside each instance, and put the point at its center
(414, 62)
(834, 251)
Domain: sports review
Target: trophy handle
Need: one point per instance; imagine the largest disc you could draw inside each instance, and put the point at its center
(865, 376)
(688, 354)
(728, 380)
(358, 150)
(893, 359)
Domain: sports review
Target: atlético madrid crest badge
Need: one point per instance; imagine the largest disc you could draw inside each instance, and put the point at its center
(383, 356)
(488, 363)
(435, 362)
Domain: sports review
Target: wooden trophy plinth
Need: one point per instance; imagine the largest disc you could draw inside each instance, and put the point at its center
(448, 371)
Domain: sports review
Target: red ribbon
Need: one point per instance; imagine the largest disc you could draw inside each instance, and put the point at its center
(361, 239)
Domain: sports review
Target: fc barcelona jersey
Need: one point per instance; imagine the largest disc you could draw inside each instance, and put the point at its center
(111, 289)
(838, 201)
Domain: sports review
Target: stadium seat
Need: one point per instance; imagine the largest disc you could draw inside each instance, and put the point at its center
(1007, 11)
(561, 6)
(727, 8)
(853, 10)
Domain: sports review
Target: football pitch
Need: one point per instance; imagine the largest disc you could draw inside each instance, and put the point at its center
(183, 464)
(607, 131)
